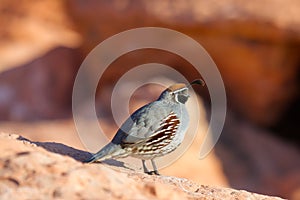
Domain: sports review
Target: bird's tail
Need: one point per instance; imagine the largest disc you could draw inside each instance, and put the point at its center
(109, 151)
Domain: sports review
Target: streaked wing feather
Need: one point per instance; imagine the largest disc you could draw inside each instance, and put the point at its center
(160, 138)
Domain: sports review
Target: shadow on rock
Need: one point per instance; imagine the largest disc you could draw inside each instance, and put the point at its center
(65, 150)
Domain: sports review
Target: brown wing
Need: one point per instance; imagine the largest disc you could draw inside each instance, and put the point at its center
(159, 139)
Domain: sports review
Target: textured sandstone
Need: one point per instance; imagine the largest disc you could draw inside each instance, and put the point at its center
(28, 171)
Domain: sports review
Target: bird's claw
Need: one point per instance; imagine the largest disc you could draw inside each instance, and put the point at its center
(155, 172)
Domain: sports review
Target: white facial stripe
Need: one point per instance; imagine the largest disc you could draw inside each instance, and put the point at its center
(176, 98)
(179, 90)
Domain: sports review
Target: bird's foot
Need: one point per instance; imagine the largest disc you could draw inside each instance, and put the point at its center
(155, 172)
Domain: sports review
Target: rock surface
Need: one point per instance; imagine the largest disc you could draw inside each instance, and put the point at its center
(39, 89)
(31, 28)
(37, 60)
(29, 171)
(255, 160)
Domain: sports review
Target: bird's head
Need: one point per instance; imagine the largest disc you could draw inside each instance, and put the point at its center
(179, 92)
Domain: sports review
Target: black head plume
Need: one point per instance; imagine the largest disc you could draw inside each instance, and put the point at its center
(198, 82)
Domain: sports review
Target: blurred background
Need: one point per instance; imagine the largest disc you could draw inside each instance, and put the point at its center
(255, 44)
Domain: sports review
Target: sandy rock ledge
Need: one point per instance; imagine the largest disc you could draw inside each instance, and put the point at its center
(34, 170)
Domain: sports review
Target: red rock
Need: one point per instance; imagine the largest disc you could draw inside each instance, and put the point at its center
(39, 89)
(255, 160)
(30, 172)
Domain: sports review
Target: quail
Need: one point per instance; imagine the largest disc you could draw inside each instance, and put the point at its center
(152, 131)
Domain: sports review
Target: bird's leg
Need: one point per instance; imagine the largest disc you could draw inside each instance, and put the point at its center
(155, 171)
(145, 168)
